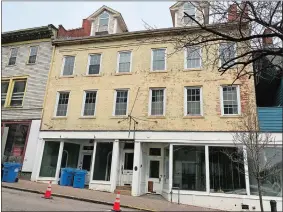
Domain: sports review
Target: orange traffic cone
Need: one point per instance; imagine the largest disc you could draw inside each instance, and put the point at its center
(47, 194)
(116, 206)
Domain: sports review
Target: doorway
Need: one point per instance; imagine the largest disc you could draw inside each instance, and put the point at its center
(127, 166)
(85, 165)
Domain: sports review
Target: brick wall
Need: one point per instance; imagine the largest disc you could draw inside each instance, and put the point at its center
(79, 32)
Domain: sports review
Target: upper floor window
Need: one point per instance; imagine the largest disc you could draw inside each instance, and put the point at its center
(190, 9)
(157, 102)
(62, 103)
(193, 101)
(124, 62)
(193, 57)
(4, 91)
(230, 100)
(158, 60)
(33, 54)
(69, 62)
(121, 103)
(89, 103)
(13, 56)
(13, 92)
(94, 64)
(103, 22)
(227, 51)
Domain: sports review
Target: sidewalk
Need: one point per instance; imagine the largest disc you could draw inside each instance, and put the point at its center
(141, 203)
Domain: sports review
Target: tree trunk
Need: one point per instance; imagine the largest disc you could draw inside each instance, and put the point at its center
(260, 194)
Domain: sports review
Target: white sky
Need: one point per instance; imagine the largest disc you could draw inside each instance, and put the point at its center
(20, 15)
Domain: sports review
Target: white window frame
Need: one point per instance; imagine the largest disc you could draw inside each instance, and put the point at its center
(98, 22)
(238, 100)
(150, 101)
(30, 53)
(118, 61)
(165, 61)
(115, 96)
(184, 10)
(57, 101)
(11, 55)
(83, 103)
(63, 65)
(186, 62)
(186, 98)
(235, 47)
(88, 63)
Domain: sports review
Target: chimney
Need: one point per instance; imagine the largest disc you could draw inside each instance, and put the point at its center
(86, 27)
(232, 12)
(267, 41)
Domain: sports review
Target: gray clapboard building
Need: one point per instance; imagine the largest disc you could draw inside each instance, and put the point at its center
(26, 57)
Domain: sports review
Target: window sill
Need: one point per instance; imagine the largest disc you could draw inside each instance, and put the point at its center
(156, 117)
(192, 69)
(162, 71)
(71, 76)
(193, 117)
(11, 107)
(118, 117)
(125, 73)
(29, 64)
(230, 116)
(87, 117)
(10, 65)
(92, 75)
(59, 117)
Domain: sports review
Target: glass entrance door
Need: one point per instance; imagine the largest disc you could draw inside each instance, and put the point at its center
(127, 167)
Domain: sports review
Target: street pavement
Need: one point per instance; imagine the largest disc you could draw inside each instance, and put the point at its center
(13, 200)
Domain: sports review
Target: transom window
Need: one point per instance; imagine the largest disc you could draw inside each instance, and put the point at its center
(121, 102)
(103, 22)
(227, 51)
(13, 56)
(33, 54)
(4, 91)
(69, 62)
(190, 9)
(157, 102)
(124, 62)
(94, 64)
(193, 101)
(62, 105)
(193, 57)
(89, 103)
(230, 97)
(155, 151)
(158, 59)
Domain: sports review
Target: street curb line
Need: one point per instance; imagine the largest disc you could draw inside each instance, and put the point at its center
(78, 198)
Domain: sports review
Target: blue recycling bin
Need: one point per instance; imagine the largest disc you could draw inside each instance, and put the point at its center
(79, 179)
(67, 175)
(10, 172)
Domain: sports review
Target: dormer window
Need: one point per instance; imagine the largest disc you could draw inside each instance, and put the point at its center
(190, 9)
(103, 22)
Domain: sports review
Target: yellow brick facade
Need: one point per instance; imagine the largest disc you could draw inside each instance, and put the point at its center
(174, 80)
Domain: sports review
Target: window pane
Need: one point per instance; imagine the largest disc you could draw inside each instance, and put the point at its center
(33, 53)
(4, 90)
(270, 161)
(158, 62)
(157, 102)
(90, 99)
(13, 56)
(49, 159)
(62, 104)
(129, 161)
(230, 100)
(121, 102)
(226, 176)
(190, 10)
(154, 169)
(69, 65)
(103, 160)
(18, 93)
(193, 57)
(103, 22)
(193, 101)
(70, 155)
(94, 64)
(124, 61)
(227, 52)
(189, 168)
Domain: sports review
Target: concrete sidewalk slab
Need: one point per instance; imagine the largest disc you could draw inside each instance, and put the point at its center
(140, 203)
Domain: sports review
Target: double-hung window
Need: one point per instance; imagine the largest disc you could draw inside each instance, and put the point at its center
(124, 62)
(4, 91)
(158, 60)
(18, 93)
(230, 100)
(94, 64)
(190, 9)
(62, 103)
(89, 103)
(69, 63)
(157, 102)
(193, 57)
(193, 101)
(121, 102)
(103, 22)
(13, 56)
(227, 52)
(33, 54)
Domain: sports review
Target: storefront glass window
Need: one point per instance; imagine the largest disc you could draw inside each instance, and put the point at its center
(189, 167)
(70, 155)
(103, 160)
(226, 176)
(270, 171)
(49, 159)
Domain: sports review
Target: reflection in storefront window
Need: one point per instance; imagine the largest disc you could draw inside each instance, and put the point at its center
(226, 176)
(270, 171)
(189, 168)
(49, 159)
(70, 155)
(103, 160)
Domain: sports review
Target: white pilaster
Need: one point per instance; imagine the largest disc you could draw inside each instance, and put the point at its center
(136, 169)
(114, 165)
(115, 25)
(207, 169)
(92, 161)
(58, 167)
(170, 167)
(38, 159)
(246, 170)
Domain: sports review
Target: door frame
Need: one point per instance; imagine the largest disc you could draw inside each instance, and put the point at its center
(122, 163)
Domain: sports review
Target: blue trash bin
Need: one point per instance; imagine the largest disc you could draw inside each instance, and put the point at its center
(79, 179)
(67, 175)
(10, 172)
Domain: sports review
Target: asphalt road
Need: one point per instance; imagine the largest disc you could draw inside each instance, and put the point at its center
(13, 200)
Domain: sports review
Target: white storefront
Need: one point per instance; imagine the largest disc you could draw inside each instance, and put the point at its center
(184, 167)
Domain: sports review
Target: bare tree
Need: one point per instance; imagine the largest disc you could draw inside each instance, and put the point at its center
(260, 152)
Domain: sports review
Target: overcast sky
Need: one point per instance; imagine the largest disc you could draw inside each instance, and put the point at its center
(20, 15)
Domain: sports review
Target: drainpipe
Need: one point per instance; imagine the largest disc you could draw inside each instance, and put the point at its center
(107, 165)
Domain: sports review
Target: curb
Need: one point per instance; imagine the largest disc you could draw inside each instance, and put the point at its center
(78, 198)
